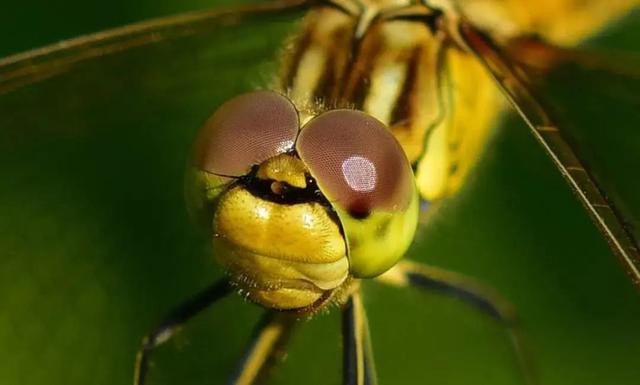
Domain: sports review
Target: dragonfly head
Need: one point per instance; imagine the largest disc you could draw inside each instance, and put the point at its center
(295, 212)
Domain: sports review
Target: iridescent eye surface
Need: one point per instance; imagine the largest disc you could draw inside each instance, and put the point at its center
(357, 162)
(246, 131)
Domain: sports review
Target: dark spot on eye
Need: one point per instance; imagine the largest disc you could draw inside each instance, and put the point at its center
(359, 210)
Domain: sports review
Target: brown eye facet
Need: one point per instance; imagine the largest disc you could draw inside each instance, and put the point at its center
(357, 162)
(245, 131)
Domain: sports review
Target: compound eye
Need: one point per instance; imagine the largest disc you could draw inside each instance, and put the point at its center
(357, 162)
(246, 131)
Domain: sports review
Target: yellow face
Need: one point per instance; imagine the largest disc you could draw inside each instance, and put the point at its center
(294, 212)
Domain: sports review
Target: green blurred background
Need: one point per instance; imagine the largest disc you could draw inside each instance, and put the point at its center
(96, 244)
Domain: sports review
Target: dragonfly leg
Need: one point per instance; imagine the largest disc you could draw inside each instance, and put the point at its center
(267, 343)
(485, 299)
(172, 321)
(358, 364)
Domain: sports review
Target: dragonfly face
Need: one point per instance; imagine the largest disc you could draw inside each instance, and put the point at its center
(295, 216)
(296, 211)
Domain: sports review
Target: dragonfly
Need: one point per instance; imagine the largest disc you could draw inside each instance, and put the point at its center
(473, 46)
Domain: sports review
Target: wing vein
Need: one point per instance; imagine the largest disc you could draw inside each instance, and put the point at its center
(608, 219)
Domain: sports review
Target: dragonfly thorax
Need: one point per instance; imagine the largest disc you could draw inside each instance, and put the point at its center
(389, 69)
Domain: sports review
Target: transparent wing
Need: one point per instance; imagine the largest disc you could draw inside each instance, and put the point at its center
(608, 217)
(517, 226)
(41, 63)
(94, 134)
